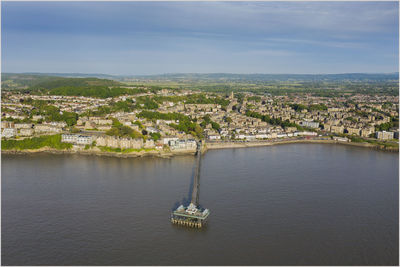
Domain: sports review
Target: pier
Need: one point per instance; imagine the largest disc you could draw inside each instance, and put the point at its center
(192, 215)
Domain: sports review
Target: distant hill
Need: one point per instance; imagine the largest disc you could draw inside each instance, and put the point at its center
(227, 77)
(75, 82)
(214, 77)
(24, 81)
(86, 85)
(65, 75)
(217, 81)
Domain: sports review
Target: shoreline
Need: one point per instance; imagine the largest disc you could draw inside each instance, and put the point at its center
(222, 145)
(206, 146)
(153, 153)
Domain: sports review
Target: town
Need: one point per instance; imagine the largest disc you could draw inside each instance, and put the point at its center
(172, 120)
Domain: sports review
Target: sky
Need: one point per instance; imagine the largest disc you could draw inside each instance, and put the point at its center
(137, 38)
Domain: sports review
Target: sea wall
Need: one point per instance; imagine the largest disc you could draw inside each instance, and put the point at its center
(222, 145)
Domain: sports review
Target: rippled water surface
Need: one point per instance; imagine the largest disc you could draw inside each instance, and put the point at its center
(299, 204)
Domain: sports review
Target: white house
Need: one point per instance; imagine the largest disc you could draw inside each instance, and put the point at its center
(9, 132)
(166, 140)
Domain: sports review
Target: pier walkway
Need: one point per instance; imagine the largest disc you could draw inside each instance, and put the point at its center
(196, 180)
(192, 215)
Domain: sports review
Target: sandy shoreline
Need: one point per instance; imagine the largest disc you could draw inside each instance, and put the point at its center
(206, 146)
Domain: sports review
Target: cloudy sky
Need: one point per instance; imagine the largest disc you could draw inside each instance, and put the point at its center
(204, 37)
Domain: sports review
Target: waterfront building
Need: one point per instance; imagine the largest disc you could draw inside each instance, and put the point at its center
(246, 136)
(337, 129)
(365, 132)
(68, 138)
(305, 134)
(353, 131)
(341, 139)
(149, 143)
(9, 132)
(166, 140)
(187, 144)
(383, 135)
(117, 142)
(77, 139)
(214, 137)
(26, 132)
(84, 140)
(261, 136)
(224, 133)
(281, 135)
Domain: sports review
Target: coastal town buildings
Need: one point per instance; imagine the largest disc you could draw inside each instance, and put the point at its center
(263, 117)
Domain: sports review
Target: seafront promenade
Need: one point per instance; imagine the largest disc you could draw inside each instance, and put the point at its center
(255, 143)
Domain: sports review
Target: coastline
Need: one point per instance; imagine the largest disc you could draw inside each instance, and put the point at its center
(206, 146)
(302, 141)
(94, 152)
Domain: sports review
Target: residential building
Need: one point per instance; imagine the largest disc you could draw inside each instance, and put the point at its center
(9, 132)
(26, 132)
(383, 135)
(310, 124)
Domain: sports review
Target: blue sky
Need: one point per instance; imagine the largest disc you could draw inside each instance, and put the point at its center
(204, 37)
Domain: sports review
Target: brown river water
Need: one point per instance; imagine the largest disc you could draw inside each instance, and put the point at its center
(296, 204)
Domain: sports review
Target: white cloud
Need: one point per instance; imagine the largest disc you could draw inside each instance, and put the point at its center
(316, 42)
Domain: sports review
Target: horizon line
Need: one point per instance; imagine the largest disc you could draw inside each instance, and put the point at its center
(174, 73)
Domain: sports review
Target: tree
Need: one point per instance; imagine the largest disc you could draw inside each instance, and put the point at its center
(70, 118)
(384, 126)
(138, 123)
(215, 126)
(155, 136)
(207, 119)
(123, 131)
(198, 131)
(116, 123)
